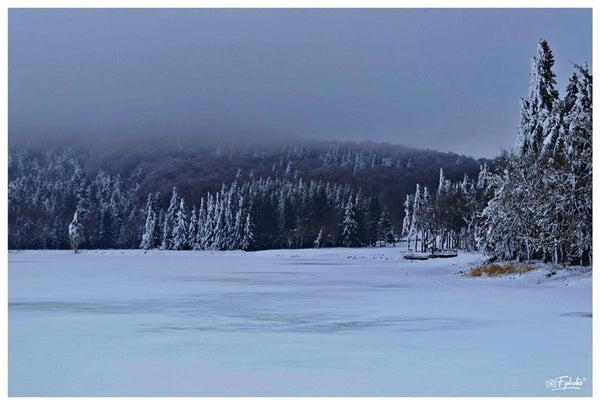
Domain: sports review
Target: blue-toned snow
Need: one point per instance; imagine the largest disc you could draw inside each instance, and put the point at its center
(326, 322)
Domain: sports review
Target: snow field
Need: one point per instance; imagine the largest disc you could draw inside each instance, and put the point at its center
(315, 322)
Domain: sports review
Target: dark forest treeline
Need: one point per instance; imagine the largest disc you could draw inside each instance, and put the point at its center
(110, 184)
(266, 214)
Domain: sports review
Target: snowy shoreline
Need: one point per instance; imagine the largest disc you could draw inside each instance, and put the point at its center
(544, 273)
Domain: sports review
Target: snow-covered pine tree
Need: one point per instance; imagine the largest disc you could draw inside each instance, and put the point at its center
(238, 231)
(537, 108)
(240, 216)
(406, 222)
(416, 220)
(578, 149)
(483, 176)
(470, 217)
(180, 229)
(427, 223)
(106, 236)
(170, 221)
(131, 223)
(192, 229)
(317, 243)
(349, 226)
(117, 206)
(209, 224)
(290, 168)
(76, 233)
(464, 185)
(220, 232)
(443, 184)
(200, 227)
(374, 215)
(362, 209)
(231, 220)
(386, 231)
(521, 221)
(149, 236)
(248, 237)
(288, 221)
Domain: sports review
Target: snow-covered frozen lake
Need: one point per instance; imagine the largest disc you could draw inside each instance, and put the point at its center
(326, 322)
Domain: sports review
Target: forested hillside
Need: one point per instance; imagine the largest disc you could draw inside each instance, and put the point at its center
(110, 183)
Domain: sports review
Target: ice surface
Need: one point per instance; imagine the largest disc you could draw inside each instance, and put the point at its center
(323, 322)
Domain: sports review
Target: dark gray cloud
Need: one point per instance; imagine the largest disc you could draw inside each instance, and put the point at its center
(436, 78)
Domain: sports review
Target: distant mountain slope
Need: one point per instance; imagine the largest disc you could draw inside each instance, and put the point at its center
(200, 165)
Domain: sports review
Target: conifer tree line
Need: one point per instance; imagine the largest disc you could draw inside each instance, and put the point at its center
(100, 213)
(265, 214)
(109, 186)
(448, 218)
(537, 202)
(49, 206)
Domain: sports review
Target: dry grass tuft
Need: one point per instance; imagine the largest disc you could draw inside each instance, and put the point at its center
(499, 269)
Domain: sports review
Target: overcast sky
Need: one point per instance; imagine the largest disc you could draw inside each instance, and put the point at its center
(448, 80)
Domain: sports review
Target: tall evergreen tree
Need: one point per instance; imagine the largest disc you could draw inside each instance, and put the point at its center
(537, 108)
(200, 227)
(192, 229)
(386, 232)
(76, 233)
(578, 146)
(170, 221)
(417, 217)
(406, 222)
(149, 236)
(181, 227)
(374, 215)
(350, 232)
(106, 239)
(248, 235)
